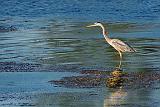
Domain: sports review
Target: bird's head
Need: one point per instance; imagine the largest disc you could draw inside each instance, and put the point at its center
(95, 24)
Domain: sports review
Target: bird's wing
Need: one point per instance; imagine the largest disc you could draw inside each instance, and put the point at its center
(121, 46)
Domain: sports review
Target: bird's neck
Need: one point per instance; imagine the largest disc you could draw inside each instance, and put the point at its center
(105, 33)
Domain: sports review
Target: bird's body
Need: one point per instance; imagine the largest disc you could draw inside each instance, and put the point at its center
(119, 45)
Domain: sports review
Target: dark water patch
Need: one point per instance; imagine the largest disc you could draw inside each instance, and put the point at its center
(7, 29)
(31, 67)
(78, 82)
(19, 104)
(26, 104)
(18, 67)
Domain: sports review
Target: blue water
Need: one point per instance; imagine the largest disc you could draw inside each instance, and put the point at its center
(47, 40)
(110, 10)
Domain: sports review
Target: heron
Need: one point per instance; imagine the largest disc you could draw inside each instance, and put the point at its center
(117, 44)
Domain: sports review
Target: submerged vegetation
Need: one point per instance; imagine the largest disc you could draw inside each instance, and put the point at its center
(114, 79)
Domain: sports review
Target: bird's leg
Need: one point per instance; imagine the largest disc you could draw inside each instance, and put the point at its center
(120, 60)
(120, 54)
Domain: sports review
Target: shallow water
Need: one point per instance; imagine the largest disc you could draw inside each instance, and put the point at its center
(47, 40)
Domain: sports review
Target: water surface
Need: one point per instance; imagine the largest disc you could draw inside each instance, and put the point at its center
(46, 40)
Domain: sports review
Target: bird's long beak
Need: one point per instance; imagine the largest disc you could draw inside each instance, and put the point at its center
(90, 25)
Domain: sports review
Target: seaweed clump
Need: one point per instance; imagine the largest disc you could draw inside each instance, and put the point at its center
(116, 79)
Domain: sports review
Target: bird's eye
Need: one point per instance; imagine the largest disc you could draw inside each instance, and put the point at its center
(96, 23)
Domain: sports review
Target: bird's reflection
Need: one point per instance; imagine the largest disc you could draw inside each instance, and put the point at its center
(115, 83)
(116, 98)
(120, 63)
